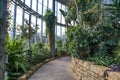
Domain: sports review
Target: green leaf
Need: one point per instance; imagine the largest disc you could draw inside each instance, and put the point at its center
(23, 67)
(63, 12)
(17, 65)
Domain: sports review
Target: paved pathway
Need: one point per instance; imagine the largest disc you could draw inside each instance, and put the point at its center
(58, 69)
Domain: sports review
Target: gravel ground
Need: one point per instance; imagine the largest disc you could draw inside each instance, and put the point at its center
(58, 69)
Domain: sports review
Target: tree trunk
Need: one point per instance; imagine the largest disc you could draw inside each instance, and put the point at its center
(3, 32)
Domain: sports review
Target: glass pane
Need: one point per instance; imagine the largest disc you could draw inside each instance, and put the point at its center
(34, 5)
(40, 6)
(50, 4)
(27, 2)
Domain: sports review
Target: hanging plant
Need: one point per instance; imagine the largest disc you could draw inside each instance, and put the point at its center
(49, 19)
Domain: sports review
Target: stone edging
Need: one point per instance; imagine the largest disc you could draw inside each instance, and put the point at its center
(35, 68)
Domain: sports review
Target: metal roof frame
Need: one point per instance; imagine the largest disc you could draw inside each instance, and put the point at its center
(65, 2)
(31, 11)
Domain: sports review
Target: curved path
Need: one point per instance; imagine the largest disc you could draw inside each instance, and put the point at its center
(58, 69)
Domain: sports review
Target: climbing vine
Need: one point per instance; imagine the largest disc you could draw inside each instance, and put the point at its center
(50, 22)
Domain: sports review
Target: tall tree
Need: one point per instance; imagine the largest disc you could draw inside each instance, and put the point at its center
(3, 32)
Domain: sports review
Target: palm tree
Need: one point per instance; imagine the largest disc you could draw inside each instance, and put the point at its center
(3, 32)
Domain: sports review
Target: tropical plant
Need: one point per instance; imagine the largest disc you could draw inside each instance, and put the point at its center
(26, 32)
(79, 39)
(39, 52)
(60, 48)
(68, 17)
(105, 60)
(17, 60)
(81, 10)
(97, 38)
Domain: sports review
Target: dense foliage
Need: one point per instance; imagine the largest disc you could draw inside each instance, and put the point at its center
(97, 37)
(60, 48)
(17, 60)
(40, 52)
(18, 57)
(49, 18)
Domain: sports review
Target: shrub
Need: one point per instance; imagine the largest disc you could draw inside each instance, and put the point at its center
(60, 48)
(85, 41)
(39, 52)
(104, 60)
(81, 40)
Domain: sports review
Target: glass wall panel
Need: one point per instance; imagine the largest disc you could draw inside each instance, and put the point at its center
(50, 4)
(39, 26)
(40, 6)
(12, 14)
(34, 4)
(56, 8)
(60, 18)
(45, 6)
(26, 16)
(58, 12)
(33, 20)
(58, 31)
(19, 16)
(27, 2)
(63, 18)
(44, 28)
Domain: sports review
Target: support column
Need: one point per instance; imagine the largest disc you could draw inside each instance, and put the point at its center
(65, 26)
(23, 15)
(30, 25)
(61, 26)
(14, 20)
(36, 26)
(47, 4)
(52, 51)
(3, 33)
(56, 21)
(47, 9)
(42, 21)
(29, 41)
